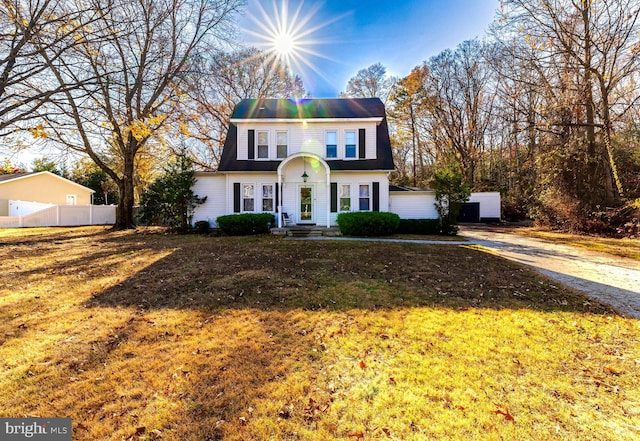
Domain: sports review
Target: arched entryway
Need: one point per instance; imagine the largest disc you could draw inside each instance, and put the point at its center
(306, 185)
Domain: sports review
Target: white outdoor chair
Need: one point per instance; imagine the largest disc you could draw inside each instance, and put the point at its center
(286, 220)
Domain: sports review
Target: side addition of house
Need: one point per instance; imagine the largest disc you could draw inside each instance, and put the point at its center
(311, 159)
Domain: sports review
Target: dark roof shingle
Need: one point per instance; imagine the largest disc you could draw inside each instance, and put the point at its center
(309, 109)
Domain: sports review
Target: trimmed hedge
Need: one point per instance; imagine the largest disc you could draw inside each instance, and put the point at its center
(419, 226)
(368, 223)
(245, 224)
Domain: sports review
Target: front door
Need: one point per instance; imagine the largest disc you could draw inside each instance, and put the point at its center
(307, 215)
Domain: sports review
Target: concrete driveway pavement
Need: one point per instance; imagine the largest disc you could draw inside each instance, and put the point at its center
(610, 279)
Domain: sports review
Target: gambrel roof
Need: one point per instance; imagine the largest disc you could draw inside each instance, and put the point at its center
(290, 110)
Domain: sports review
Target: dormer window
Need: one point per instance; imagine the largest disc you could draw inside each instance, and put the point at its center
(263, 145)
(281, 145)
(332, 144)
(349, 144)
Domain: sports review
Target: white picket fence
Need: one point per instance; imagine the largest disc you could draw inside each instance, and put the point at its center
(63, 216)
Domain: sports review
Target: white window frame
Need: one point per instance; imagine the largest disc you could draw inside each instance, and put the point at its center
(257, 153)
(73, 198)
(326, 144)
(286, 133)
(355, 138)
(368, 185)
(273, 196)
(245, 198)
(340, 186)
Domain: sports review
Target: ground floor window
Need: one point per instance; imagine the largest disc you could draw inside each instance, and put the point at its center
(345, 197)
(248, 197)
(365, 197)
(267, 197)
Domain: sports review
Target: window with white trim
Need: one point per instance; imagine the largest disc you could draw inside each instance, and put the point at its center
(263, 145)
(71, 199)
(350, 144)
(345, 197)
(248, 197)
(267, 197)
(365, 197)
(332, 144)
(281, 144)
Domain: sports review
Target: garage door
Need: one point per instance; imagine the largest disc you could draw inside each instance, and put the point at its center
(470, 212)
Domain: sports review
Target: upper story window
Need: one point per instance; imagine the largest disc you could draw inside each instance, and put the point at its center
(281, 144)
(332, 144)
(263, 145)
(349, 144)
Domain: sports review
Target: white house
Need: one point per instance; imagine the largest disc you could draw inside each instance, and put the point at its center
(310, 158)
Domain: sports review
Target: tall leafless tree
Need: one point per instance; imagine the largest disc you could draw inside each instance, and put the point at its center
(139, 53)
(29, 28)
(222, 80)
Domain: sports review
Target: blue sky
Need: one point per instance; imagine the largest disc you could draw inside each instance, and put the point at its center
(354, 34)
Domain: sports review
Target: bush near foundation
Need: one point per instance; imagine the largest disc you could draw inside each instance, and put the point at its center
(245, 224)
(419, 226)
(368, 223)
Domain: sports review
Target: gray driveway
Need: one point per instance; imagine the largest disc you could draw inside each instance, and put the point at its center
(612, 280)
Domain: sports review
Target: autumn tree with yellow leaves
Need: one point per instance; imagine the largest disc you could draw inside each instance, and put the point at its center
(135, 60)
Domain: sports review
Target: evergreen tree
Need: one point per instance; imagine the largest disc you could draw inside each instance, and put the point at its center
(170, 200)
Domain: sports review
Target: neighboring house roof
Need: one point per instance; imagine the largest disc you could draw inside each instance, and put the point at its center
(251, 109)
(12, 176)
(18, 176)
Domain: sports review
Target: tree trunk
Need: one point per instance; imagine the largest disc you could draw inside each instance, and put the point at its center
(611, 172)
(124, 217)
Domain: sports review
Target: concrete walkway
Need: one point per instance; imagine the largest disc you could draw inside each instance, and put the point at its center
(610, 279)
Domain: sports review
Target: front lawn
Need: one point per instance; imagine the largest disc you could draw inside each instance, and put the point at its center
(144, 335)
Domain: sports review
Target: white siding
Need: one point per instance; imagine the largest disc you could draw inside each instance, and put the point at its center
(307, 137)
(489, 204)
(219, 190)
(413, 204)
(213, 186)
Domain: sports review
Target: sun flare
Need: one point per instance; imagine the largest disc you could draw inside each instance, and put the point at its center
(288, 37)
(284, 44)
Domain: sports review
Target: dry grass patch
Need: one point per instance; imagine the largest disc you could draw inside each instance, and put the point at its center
(143, 335)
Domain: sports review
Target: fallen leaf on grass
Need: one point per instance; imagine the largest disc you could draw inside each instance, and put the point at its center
(504, 411)
(612, 370)
(362, 364)
(356, 435)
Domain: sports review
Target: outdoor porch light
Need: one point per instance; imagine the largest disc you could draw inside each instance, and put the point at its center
(305, 176)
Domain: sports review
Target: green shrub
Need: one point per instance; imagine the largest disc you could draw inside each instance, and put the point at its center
(419, 226)
(368, 223)
(201, 227)
(245, 224)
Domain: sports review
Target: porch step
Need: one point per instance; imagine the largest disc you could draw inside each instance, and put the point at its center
(306, 231)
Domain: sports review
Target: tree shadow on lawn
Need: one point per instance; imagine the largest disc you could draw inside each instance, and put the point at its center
(217, 328)
(284, 275)
(253, 334)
